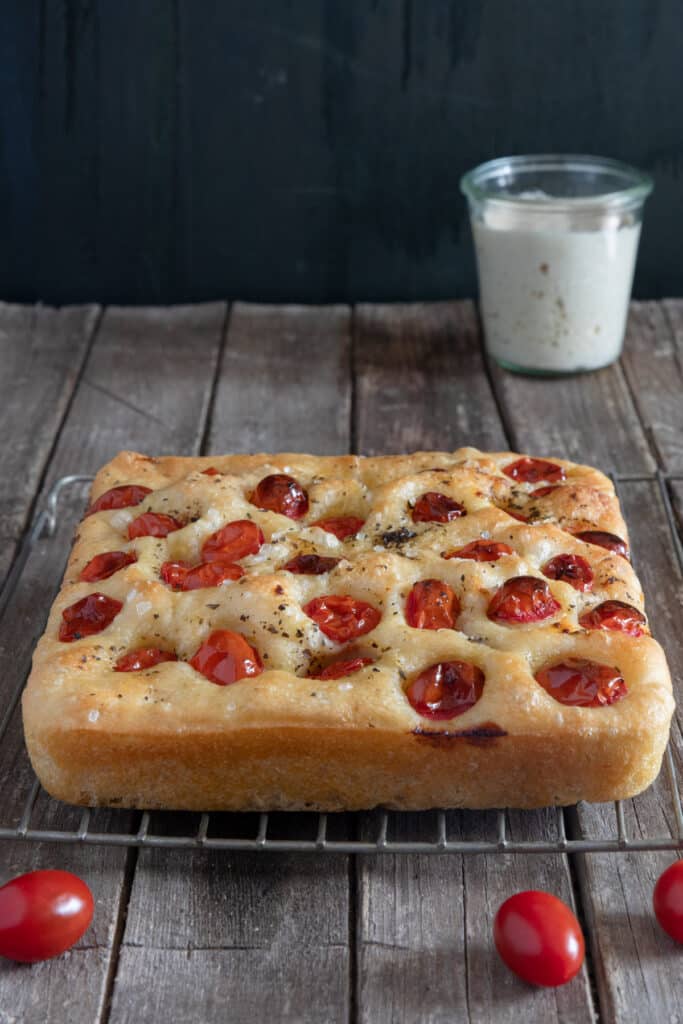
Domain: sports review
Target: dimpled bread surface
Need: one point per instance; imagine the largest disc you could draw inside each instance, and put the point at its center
(167, 737)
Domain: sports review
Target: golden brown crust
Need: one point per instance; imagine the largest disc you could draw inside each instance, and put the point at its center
(167, 737)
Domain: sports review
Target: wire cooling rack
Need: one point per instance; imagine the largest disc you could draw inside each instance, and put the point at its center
(563, 829)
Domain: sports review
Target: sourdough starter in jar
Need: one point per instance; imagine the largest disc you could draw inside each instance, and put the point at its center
(553, 299)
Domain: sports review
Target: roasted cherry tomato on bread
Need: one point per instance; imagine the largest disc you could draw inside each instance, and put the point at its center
(233, 541)
(668, 900)
(119, 497)
(606, 540)
(310, 565)
(481, 551)
(532, 471)
(339, 669)
(341, 526)
(538, 937)
(88, 616)
(434, 507)
(341, 617)
(104, 565)
(522, 599)
(571, 569)
(153, 524)
(582, 683)
(446, 690)
(42, 914)
(281, 493)
(226, 657)
(615, 615)
(432, 604)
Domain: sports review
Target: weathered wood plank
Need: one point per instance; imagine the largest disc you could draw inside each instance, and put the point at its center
(616, 891)
(146, 385)
(424, 923)
(284, 385)
(284, 381)
(588, 417)
(420, 380)
(653, 351)
(42, 354)
(635, 961)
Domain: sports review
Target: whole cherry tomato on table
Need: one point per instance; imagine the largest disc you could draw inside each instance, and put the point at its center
(42, 914)
(539, 938)
(668, 900)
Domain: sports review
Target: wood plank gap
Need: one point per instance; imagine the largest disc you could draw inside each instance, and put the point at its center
(119, 928)
(353, 932)
(40, 482)
(204, 443)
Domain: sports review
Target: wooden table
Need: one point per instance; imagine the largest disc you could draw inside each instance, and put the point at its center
(213, 936)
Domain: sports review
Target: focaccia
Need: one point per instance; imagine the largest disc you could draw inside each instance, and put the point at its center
(297, 632)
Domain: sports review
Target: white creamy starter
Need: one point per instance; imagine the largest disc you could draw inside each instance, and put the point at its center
(554, 289)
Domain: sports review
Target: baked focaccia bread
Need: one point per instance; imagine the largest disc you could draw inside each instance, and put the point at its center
(297, 632)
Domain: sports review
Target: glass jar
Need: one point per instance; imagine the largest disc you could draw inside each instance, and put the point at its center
(556, 239)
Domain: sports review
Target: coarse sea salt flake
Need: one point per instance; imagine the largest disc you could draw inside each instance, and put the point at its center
(93, 715)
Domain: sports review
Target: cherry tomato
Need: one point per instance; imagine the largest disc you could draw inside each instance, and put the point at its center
(481, 551)
(538, 937)
(341, 526)
(543, 492)
(102, 566)
(119, 497)
(233, 541)
(226, 657)
(339, 669)
(281, 493)
(668, 900)
(310, 565)
(153, 524)
(434, 507)
(211, 471)
(610, 541)
(144, 657)
(446, 690)
(182, 576)
(522, 599)
(616, 615)
(342, 618)
(571, 569)
(42, 914)
(532, 471)
(582, 683)
(432, 604)
(88, 616)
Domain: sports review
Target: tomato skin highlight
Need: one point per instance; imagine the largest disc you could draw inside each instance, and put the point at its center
(538, 937)
(667, 900)
(42, 914)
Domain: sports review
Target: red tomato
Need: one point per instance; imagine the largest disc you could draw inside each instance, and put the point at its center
(582, 683)
(342, 618)
(211, 471)
(522, 599)
(341, 526)
(101, 567)
(233, 541)
(668, 900)
(616, 615)
(543, 492)
(532, 471)
(481, 551)
(226, 657)
(434, 507)
(571, 569)
(42, 914)
(310, 565)
(432, 604)
(281, 493)
(90, 615)
(153, 524)
(610, 541)
(339, 669)
(144, 657)
(119, 497)
(182, 576)
(446, 689)
(538, 937)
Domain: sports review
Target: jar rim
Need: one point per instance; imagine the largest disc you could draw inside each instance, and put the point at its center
(638, 185)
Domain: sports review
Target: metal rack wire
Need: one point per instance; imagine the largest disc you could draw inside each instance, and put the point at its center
(485, 832)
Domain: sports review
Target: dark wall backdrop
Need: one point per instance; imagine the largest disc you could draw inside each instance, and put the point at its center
(172, 150)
